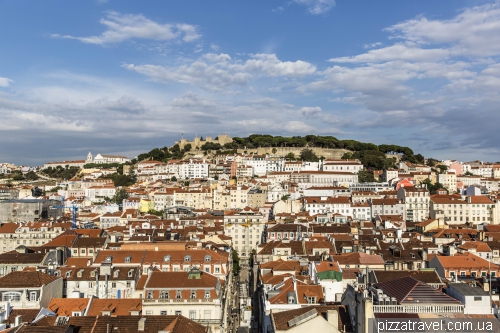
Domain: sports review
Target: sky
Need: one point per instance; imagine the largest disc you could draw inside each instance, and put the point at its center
(123, 77)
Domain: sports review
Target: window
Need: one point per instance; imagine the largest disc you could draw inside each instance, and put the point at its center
(207, 293)
(11, 296)
(462, 273)
(115, 273)
(128, 258)
(113, 284)
(166, 258)
(149, 313)
(91, 284)
(178, 313)
(187, 258)
(193, 294)
(311, 299)
(217, 269)
(472, 273)
(478, 298)
(452, 274)
(165, 294)
(192, 314)
(208, 258)
(163, 313)
(178, 294)
(33, 296)
(150, 294)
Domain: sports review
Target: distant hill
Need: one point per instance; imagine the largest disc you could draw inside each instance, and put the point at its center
(371, 155)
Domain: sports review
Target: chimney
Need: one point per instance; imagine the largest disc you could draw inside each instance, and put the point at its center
(332, 316)
(141, 325)
(18, 321)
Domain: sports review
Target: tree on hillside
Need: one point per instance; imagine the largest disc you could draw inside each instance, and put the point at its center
(120, 195)
(432, 187)
(308, 155)
(365, 176)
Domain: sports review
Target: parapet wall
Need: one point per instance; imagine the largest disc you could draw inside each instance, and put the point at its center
(283, 151)
(222, 139)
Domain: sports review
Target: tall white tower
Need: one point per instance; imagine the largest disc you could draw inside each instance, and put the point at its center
(89, 158)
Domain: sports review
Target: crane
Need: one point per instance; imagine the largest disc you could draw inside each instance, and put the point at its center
(73, 209)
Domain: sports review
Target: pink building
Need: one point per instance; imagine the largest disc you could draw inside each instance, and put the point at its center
(457, 167)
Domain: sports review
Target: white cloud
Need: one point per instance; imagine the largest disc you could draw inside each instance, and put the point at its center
(372, 45)
(4, 82)
(218, 71)
(473, 32)
(311, 111)
(396, 52)
(214, 47)
(316, 7)
(121, 27)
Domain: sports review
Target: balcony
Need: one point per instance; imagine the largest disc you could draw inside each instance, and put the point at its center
(206, 322)
(418, 309)
(180, 300)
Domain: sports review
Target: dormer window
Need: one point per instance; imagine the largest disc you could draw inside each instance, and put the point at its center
(68, 274)
(115, 273)
(187, 258)
(128, 259)
(80, 273)
(108, 259)
(207, 293)
(130, 273)
(166, 258)
(92, 274)
(208, 258)
(311, 299)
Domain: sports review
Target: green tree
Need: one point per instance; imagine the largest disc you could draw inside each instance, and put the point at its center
(31, 175)
(442, 168)
(432, 187)
(187, 147)
(290, 156)
(120, 195)
(9, 183)
(174, 179)
(155, 212)
(308, 155)
(274, 150)
(236, 262)
(365, 176)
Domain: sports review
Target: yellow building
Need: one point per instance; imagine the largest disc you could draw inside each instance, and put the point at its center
(146, 205)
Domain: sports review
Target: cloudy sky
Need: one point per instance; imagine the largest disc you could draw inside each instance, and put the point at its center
(124, 77)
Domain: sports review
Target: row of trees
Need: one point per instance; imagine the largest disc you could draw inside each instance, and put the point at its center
(60, 172)
(163, 154)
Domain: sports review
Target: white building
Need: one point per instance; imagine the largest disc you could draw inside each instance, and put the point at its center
(246, 229)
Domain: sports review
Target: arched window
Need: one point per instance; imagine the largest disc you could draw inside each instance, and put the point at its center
(208, 258)
(187, 258)
(12, 296)
(166, 258)
(128, 258)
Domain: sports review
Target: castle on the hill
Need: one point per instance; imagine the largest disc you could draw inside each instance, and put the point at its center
(198, 142)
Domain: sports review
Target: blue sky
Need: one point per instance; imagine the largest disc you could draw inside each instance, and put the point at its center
(127, 76)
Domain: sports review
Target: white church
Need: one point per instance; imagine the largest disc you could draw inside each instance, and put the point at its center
(106, 159)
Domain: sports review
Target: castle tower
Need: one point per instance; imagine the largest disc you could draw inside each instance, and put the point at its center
(89, 158)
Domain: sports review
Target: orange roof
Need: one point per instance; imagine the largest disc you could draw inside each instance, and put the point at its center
(66, 306)
(465, 261)
(117, 307)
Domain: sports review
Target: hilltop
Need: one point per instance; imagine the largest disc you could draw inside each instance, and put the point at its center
(297, 147)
